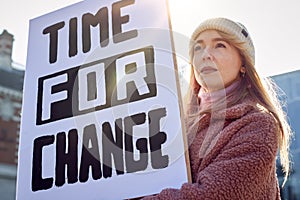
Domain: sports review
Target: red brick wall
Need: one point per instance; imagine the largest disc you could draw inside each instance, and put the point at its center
(9, 136)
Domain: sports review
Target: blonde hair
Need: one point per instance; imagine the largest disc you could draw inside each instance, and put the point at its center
(262, 91)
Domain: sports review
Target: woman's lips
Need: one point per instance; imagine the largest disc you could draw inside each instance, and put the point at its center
(207, 70)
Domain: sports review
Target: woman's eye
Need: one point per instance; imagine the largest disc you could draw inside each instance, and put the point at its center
(197, 47)
(220, 45)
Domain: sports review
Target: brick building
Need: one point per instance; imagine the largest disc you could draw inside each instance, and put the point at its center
(11, 84)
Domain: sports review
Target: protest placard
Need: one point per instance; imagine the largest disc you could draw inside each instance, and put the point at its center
(101, 115)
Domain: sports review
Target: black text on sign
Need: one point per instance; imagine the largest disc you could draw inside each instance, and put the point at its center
(101, 84)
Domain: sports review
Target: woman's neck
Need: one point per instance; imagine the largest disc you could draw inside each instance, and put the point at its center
(208, 98)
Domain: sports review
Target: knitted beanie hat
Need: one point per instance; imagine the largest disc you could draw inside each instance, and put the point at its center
(229, 27)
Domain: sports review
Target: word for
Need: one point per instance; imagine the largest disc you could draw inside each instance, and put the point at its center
(101, 84)
(100, 19)
(112, 150)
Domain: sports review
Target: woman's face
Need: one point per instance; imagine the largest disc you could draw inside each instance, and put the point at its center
(216, 63)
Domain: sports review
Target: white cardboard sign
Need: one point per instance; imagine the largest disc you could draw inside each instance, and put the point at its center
(101, 112)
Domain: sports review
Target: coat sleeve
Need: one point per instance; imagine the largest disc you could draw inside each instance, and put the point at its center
(241, 170)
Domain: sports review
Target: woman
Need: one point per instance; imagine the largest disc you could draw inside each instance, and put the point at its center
(235, 123)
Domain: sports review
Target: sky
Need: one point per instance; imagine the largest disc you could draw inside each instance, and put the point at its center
(274, 25)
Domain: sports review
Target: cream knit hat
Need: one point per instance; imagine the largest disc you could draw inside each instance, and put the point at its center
(230, 27)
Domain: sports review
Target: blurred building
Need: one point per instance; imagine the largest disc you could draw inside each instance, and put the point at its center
(290, 84)
(11, 84)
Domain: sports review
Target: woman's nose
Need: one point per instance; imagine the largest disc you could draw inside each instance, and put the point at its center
(207, 54)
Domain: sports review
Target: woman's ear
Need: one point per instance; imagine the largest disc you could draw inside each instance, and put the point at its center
(243, 70)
